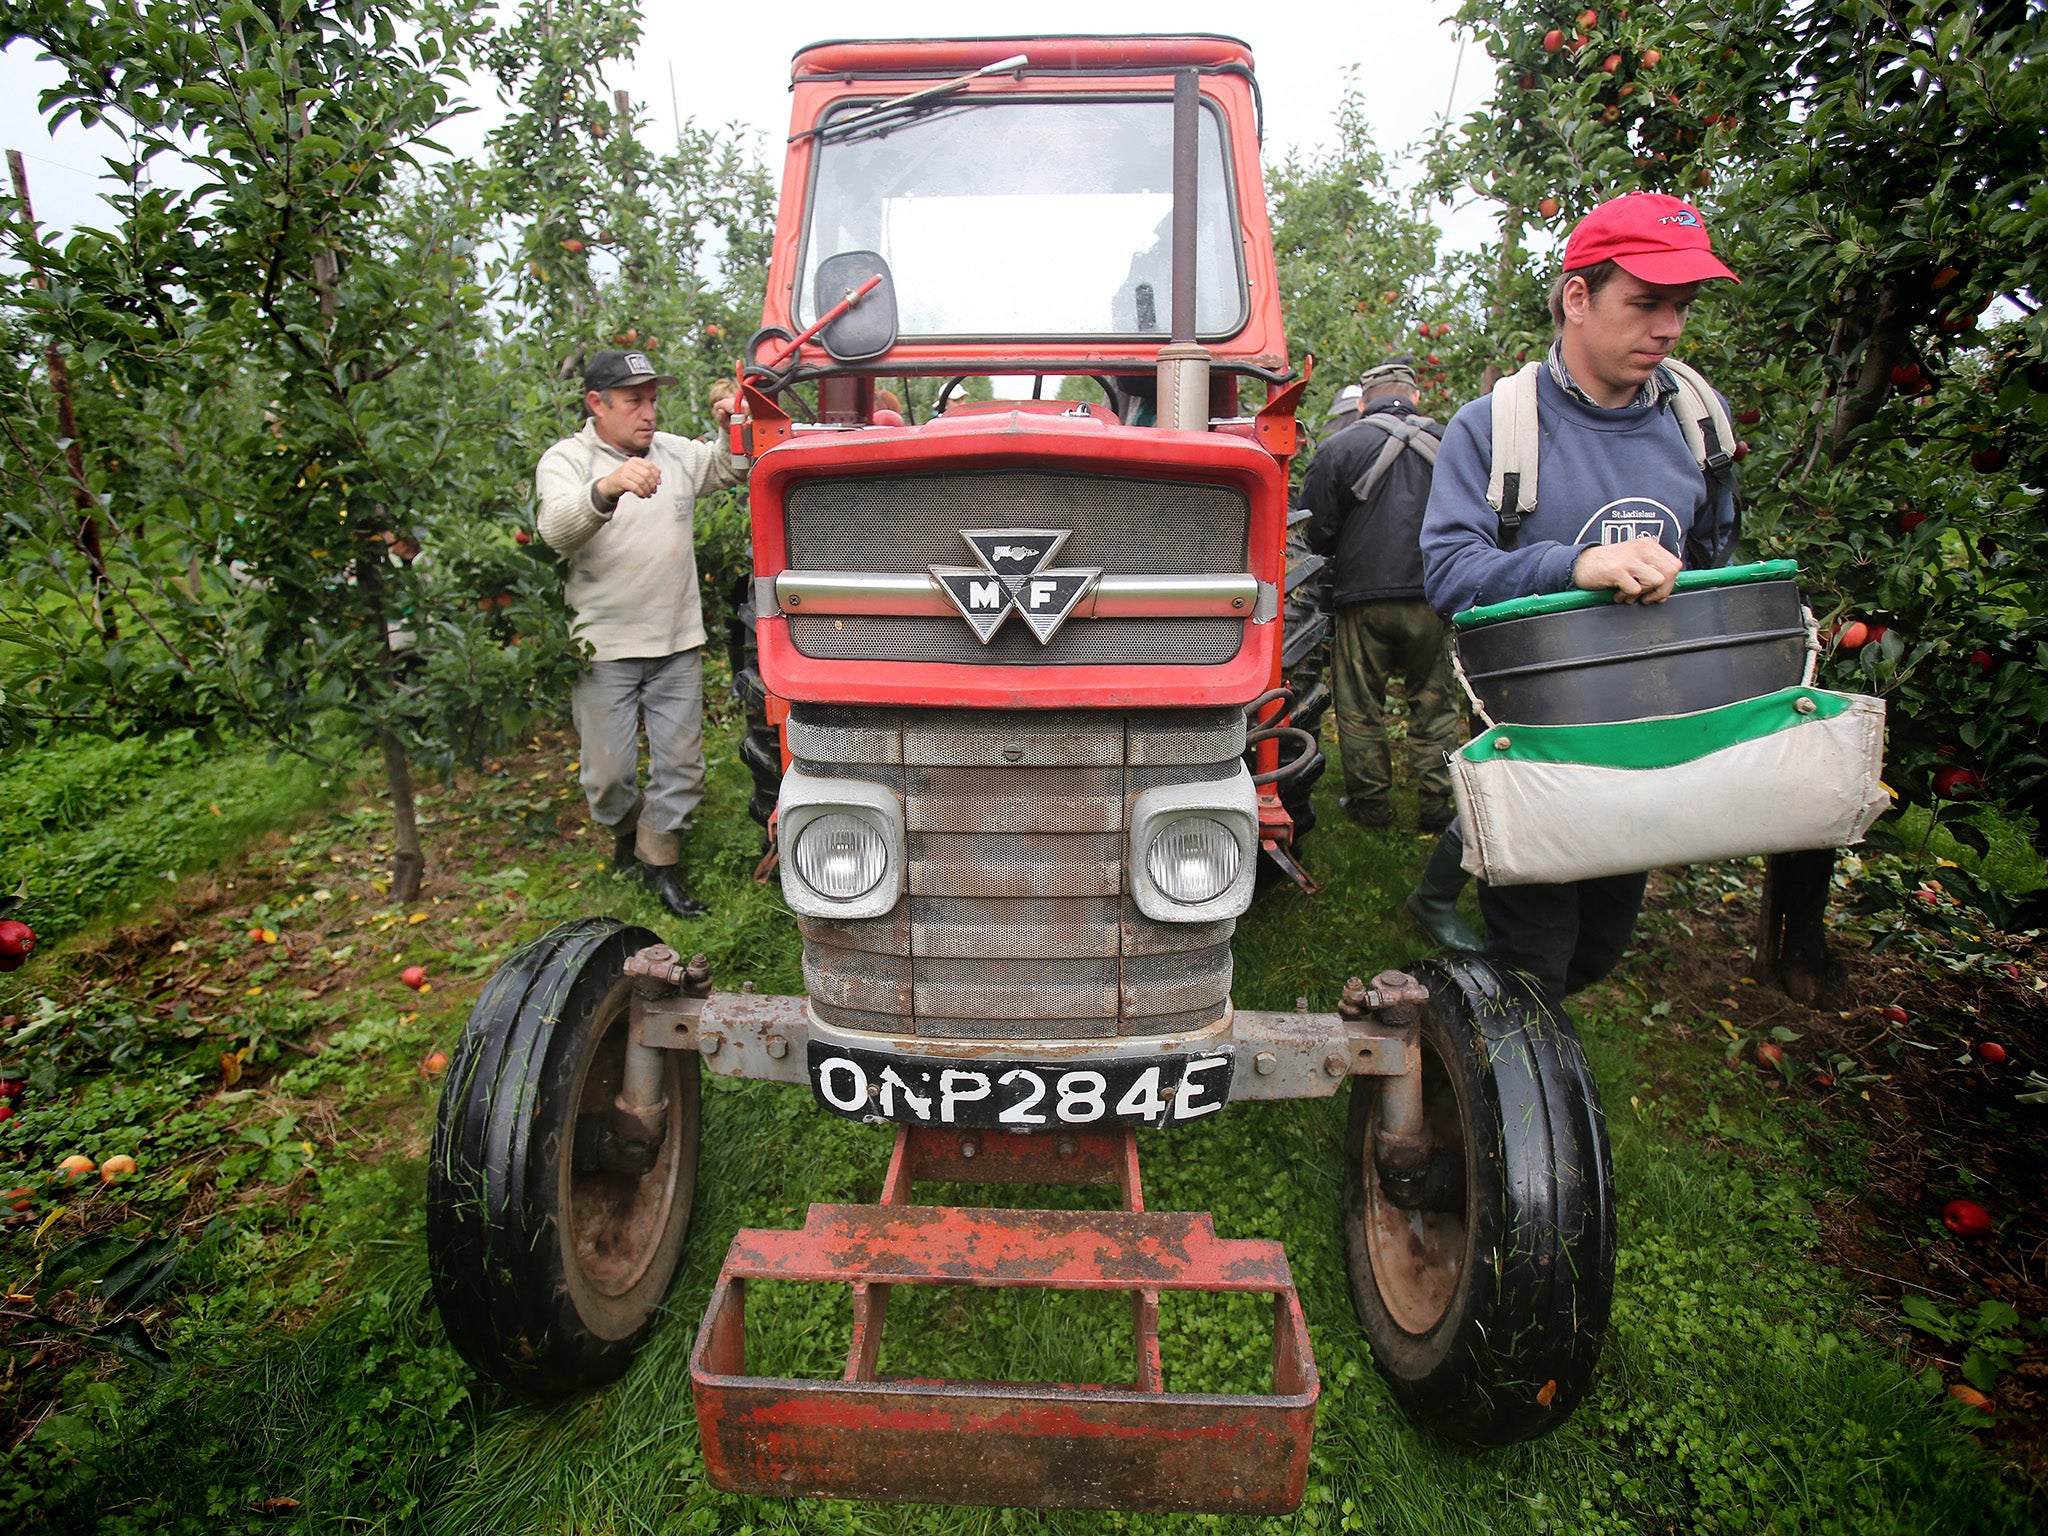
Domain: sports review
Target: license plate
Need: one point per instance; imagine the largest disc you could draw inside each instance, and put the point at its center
(1014, 1096)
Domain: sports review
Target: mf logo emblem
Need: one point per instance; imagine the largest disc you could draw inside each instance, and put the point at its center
(1015, 576)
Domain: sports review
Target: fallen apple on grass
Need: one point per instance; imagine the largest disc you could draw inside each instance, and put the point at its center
(414, 976)
(435, 1064)
(17, 943)
(1966, 1218)
(21, 1197)
(77, 1166)
(119, 1166)
(1990, 1051)
(1770, 1055)
(1894, 1014)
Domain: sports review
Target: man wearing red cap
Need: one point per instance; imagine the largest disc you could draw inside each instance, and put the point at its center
(1623, 503)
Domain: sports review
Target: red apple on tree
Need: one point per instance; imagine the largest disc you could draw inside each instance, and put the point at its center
(1988, 461)
(1750, 417)
(1957, 783)
(1588, 20)
(521, 536)
(1908, 521)
(1983, 661)
(1905, 375)
(1553, 40)
(1612, 64)
(1650, 58)
(1852, 636)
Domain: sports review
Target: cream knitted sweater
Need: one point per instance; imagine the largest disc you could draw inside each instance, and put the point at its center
(633, 568)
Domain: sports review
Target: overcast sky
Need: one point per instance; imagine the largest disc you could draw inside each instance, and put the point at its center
(730, 64)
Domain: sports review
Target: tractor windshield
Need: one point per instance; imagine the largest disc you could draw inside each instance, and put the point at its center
(1043, 218)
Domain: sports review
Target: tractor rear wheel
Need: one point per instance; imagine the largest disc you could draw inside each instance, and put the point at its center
(1487, 1306)
(550, 1254)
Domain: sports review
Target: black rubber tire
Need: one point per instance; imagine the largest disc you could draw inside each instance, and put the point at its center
(1486, 1320)
(761, 747)
(548, 1270)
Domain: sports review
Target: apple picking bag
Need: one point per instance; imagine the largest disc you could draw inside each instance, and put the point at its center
(1744, 757)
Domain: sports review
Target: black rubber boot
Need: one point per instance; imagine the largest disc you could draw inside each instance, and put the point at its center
(662, 879)
(622, 850)
(1434, 901)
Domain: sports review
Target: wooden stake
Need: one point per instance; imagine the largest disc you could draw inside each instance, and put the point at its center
(87, 535)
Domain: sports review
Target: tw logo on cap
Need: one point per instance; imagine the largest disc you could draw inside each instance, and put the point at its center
(636, 362)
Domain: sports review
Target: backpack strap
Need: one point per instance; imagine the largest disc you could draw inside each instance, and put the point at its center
(1703, 419)
(1511, 488)
(1417, 432)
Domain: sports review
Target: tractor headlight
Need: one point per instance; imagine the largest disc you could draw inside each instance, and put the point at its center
(1192, 849)
(1193, 859)
(842, 846)
(841, 855)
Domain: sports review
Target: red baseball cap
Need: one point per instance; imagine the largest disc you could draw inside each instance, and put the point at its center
(1650, 235)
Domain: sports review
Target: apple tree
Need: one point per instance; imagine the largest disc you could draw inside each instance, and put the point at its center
(309, 519)
(1360, 274)
(619, 243)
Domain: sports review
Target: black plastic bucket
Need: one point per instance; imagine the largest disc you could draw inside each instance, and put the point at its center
(1698, 649)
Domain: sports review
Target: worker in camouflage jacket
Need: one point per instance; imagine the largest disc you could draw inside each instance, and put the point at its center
(1366, 490)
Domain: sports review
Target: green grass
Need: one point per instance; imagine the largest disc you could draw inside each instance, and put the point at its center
(91, 827)
(1737, 1393)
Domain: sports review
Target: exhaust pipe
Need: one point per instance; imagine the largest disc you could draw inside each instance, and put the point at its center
(1183, 364)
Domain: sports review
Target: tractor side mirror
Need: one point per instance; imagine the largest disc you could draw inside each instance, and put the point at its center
(868, 328)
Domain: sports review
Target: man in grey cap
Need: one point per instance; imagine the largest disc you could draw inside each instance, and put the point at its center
(617, 499)
(1366, 490)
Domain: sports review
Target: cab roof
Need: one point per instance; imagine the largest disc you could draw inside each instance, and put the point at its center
(1072, 53)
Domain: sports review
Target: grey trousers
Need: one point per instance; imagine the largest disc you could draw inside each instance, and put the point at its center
(609, 703)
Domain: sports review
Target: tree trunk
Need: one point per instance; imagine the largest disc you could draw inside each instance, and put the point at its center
(408, 863)
(1792, 952)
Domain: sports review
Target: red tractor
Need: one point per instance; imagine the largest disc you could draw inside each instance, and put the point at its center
(1028, 663)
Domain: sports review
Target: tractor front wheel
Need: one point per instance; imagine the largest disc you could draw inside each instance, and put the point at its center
(1485, 1294)
(551, 1250)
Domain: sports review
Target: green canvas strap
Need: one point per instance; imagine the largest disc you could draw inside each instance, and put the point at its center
(1660, 743)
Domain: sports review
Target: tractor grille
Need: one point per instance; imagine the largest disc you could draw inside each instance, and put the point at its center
(1121, 525)
(1016, 922)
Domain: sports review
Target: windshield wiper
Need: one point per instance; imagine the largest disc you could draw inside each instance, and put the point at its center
(903, 107)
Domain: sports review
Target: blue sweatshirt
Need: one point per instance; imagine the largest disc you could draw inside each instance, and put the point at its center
(1604, 477)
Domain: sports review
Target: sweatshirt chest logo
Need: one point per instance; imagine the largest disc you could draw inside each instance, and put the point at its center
(1015, 576)
(1633, 517)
